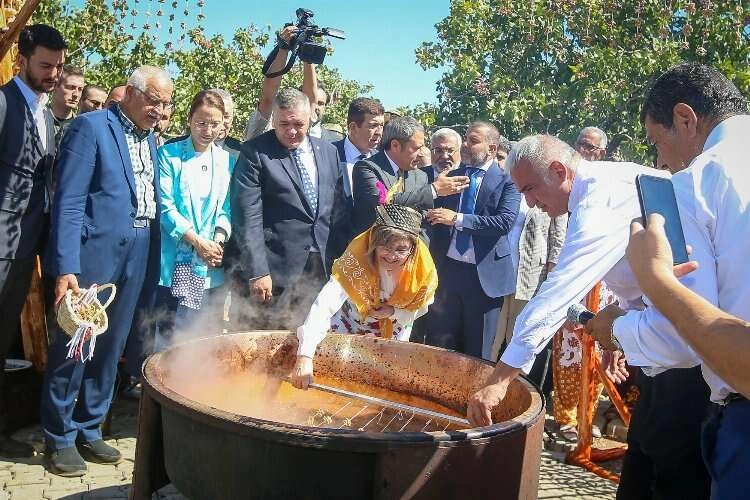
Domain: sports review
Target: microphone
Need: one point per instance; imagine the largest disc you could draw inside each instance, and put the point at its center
(577, 313)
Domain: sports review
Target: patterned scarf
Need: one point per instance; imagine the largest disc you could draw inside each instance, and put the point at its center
(361, 281)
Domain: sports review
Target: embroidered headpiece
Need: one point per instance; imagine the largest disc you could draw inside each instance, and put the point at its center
(399, 216)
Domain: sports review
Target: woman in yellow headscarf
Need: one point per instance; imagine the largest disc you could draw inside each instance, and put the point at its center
(383, 282)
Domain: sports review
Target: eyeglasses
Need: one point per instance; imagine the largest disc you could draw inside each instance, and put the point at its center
(154, 102)
(209, 125)
(400, 253)
(439, 151)
(587, 146)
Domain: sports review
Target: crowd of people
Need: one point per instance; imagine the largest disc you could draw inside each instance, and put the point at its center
(470, 242)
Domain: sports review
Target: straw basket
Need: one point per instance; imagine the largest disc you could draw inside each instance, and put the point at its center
(96, 312)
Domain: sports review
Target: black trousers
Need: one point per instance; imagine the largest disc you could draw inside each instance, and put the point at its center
(664, 459)
(15, 279)
(463, 318)
(289, 305)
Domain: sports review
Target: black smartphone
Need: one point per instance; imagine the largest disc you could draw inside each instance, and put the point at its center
(656, 196)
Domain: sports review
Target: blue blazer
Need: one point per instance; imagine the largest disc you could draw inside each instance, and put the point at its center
(495, 211)
(95, 203)
(180, 210)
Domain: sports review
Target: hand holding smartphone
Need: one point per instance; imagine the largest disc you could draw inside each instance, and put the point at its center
(656, 196)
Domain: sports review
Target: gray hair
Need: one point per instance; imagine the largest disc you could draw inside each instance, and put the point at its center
(288, 99)
(540, 151)
(143, 74)
(503, 144)
(446, 133)
(602, 135)
(401, 129)
(225, 96)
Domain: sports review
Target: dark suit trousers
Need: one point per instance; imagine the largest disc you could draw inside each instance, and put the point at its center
(462, 318)
(289, 305)
(664, 460)
(725, 444)
(15, 279)
(76, 396)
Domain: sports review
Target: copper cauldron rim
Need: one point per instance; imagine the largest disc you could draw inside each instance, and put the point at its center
(319, 436)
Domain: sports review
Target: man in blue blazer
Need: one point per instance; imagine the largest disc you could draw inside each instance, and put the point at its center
(284, 193)
(105, 229)
(469, 244)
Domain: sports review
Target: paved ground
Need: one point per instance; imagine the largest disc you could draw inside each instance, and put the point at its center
(29, 480)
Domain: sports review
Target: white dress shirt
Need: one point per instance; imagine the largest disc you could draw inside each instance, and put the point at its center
(602, 203)
(394, 167)
(329, 302)
(315, 130)
(713, 195)
(37, 103)
(352, 156)
(469, 256)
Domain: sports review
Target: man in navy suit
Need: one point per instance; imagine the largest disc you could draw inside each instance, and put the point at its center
(27, 148)
(105, 229)
(469, 244)
(285, 191)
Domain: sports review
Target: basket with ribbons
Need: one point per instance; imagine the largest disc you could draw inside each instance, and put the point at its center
(83, 316)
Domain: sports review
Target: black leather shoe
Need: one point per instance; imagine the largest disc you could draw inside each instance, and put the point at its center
(67, 462)
(100, 452)
(10, 448)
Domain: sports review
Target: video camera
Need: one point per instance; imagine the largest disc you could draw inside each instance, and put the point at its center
(306, 48)
(304, 44)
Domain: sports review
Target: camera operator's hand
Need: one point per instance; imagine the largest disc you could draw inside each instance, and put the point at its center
(287, 35)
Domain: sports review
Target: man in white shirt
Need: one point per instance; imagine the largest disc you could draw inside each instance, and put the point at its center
(696, 117)
(602, 200)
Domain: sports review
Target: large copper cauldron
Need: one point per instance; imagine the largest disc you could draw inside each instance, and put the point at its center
(210, 453)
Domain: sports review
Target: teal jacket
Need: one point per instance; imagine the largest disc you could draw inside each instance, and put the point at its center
(180, 210)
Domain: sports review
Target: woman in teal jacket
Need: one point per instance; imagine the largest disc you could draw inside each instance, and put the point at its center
(195, 223)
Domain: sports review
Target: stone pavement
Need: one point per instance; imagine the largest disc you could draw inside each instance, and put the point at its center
(28, 479)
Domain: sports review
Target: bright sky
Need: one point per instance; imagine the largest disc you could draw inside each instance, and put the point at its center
(381, 37)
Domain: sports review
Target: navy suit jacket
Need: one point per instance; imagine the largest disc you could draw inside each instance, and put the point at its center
(273, 224)
(25, 174)
(340, 148)
(494, 213)
(95, 203)
(417, 192)
(430, 172)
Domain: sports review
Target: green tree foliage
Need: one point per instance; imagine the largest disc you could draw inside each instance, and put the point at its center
(558, 65)
(108, 51)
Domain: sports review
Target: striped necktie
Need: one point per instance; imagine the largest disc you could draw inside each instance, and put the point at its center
(307, 186)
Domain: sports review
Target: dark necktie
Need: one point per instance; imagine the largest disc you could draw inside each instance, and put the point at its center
(307, 186)
(468, 202)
